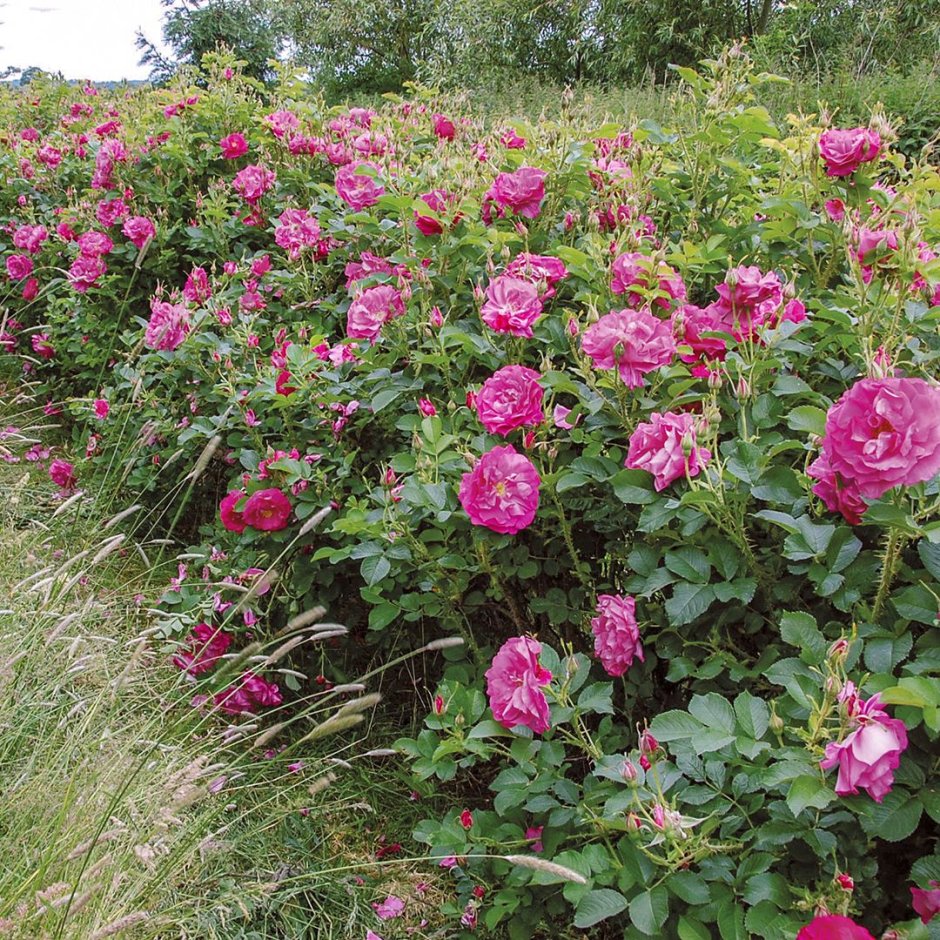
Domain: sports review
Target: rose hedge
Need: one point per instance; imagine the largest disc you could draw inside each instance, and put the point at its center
(662, 397)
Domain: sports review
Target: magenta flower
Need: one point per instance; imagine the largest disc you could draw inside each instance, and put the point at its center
(247, 695)
(30, 238)
(94, 244)
(139, 229)
(206, 646)
(374, 307)
(267, 510)
(391, 907)
(844, 151)
(510, 398)
(633, 269)
(253, 182)
(356, 188)
(926, 902)
(666, 446)
(545, 271)
(616, 634)
(884, 433)
(868, 756)
(512, 305)
(838, 494)
(232, 519)
(62, 473)
(502, 491)
(514, 685)
(833, 927)
(749, 298)
(443, 127)
(168, 326)
(233, 146)
(632, 341)
(521, 192)
(19, 267)
(295, 231)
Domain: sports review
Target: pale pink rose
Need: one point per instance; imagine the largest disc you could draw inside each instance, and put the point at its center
(514, 685)
(85, 271)
(844, 151)
(839, 495)
(560, 417)
(512, 305)
(502, 491)
(94, 244)
(868, 756)
(168, 326)
(253, 182)
(139, 229)
(632, 341)
(374, 307)
(357, 187)
(666, 446)
(510, 398)
(636, 270)
(884, 433)
(616, 634)
(267, 510)
(391, 907)
(522, 192)
(281, 123)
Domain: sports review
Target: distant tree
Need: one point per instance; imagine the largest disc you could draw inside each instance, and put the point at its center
(192, 28)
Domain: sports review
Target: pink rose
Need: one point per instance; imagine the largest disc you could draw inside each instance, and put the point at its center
(296, 230)
(374, 307)
(439, 201)
(868, 756)
(232, 519)
(632, 341)
(545, 271)
(206, 646)
(926, 902)
(844, 151)
(510, 398)
(357, 187)
(253, 182)
(267, 510)
(94, 244)
(512, 305)
(30, 238)
(616, 634)
(666, 446)
(443, 127)
(749, 298)
(62, 473)
(19, 267)
(168, 326)
(838, 494)
(502, 491)
(634, 269)
(833, 927)
(884, 433)
(233, 146)
(514, 684)
(139, 229)
(522, 192)
(696, 321)
(85, 271)
(102, 408)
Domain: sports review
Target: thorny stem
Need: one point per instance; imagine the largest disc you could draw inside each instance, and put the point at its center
(889, 563)
(517, 617)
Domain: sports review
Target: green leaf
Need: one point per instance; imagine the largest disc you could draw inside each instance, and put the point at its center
(916, 603)
(930, 557)
(809, 419)
(597, 698)
(767, 886)
(675, 725)
(690, 887)
(689, 563)
(731, 922)
(713, 710)
(883, 652)
(800, 630)
(690, 929)
(633, 487)
(753, 715)
(688, 601)
(915, 691)
(649, 911)
(808, 791)
(598, 905)
(374, 569)
(895, 818)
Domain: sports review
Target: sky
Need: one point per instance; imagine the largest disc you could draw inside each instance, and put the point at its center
(91, 39)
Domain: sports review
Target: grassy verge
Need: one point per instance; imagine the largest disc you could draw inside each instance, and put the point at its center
(125, 811)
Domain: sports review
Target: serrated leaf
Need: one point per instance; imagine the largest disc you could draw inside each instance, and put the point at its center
(690, 887)
(690, 563)
(800, 630)
(808, 791)
(649, 911)
(895, 818)
(598, 905)
(713, 710)
(688, 602)
(753, 715)
(675, 725)
(808, 419)
(597, 698)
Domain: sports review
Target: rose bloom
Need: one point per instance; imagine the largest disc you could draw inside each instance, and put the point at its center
(296, 230)
(634, 269)
(249, 694)
(868, 756)
(110, 212)
(545, 271)
(206, 645)
(884, 433)
(748, 298)
(926, 902)
(233, 146)
(19, 267)
(30, 238)
(438, 201)
(357, 189)
(139, 229)
(231, 518)
(844, 151)
(522, 192)
(267, 510)
(833, 927)
(62, 473)
(502, 491)
(374, 307)
(42, 347)
(510, 398)
(514, 684)
(659, 446)
(512, 305)
(94, 244)
(443, 127)
(632, 341)
(616, 635)
(85, 271)
(168, 326)
(102, 408)
(253, 182)
(696, 321)
(838, 494)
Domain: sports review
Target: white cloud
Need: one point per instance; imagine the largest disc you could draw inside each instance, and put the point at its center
(91, 39)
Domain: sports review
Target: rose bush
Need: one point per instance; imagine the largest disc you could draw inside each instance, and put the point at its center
(725, 541)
